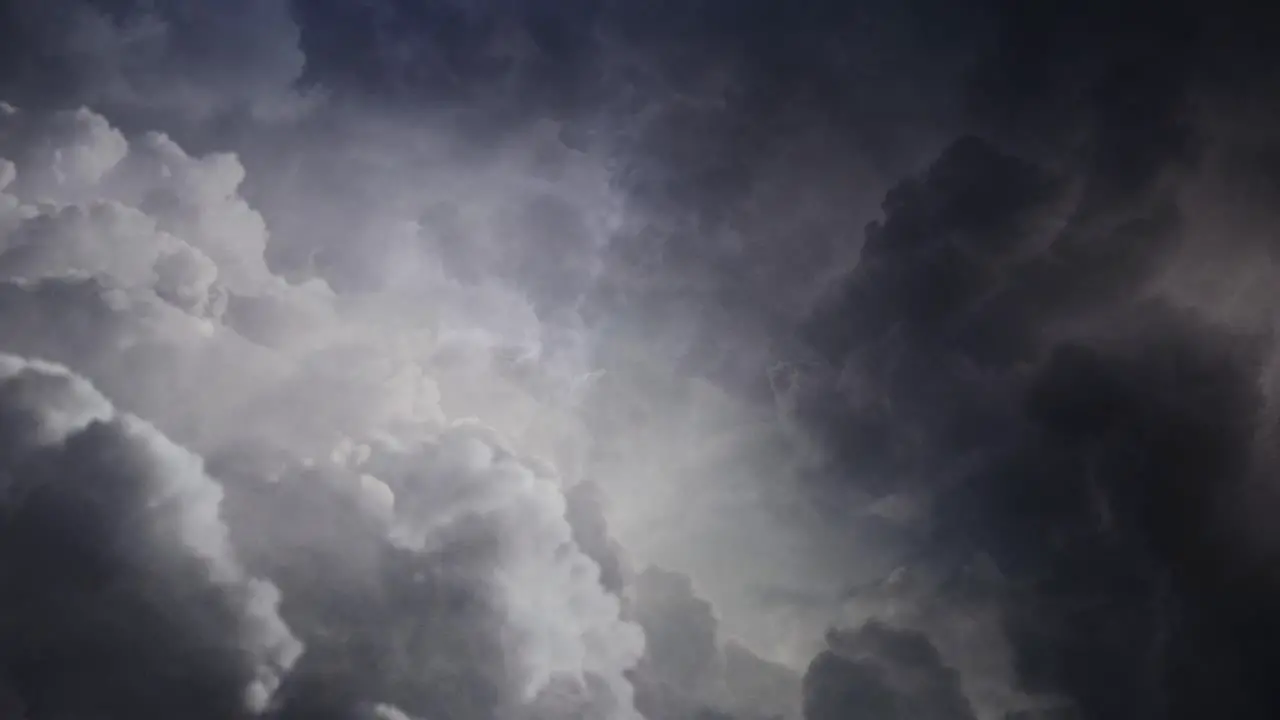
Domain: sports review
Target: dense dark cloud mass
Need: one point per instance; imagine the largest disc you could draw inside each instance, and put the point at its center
(1162, 430)
(1024, 322)
(604, 359)
(181, 60)
(883, 673)
(122, 593)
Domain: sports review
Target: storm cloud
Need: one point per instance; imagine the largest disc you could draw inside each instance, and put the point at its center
(608, 359)
(123, 593)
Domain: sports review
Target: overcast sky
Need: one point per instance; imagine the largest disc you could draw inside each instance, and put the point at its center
(621, 359)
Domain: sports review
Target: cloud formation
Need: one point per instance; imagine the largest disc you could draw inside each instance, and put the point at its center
(123, 593)
(177, 60)
(948, 326)
(1023, 351)
(883, 672)
(124, 254)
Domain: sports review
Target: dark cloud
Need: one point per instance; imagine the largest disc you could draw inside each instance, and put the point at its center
(689, 669)
(1153, 441)
(1115, 465)
(492, 64)
(882, 673)
(122, 594)
(148, 60)
(991, 281)
(680, 632)
(383, 624)
(585, 513)
(1011, 344)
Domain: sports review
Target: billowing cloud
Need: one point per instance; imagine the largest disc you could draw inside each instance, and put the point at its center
(1024, 350)
(948, 326)
(124, 254)
(123, 593)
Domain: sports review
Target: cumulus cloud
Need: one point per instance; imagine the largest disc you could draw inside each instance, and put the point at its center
(564, 623)
(122, 255)
(474, 306)
(691, 667)
(467, 601)
(123, 592)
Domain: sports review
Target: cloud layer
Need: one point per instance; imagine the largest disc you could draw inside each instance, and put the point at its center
(495, 359)
(122, 255)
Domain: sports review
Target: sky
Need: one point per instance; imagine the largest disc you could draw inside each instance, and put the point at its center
(639, 359)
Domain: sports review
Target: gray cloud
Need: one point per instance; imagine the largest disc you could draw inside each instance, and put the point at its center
(885, 673)
(127, 254)
(474, 306)
(1019, 348)
(123, 593)
(178, 60)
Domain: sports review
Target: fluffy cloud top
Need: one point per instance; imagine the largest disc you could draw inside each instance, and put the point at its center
(122, 255)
